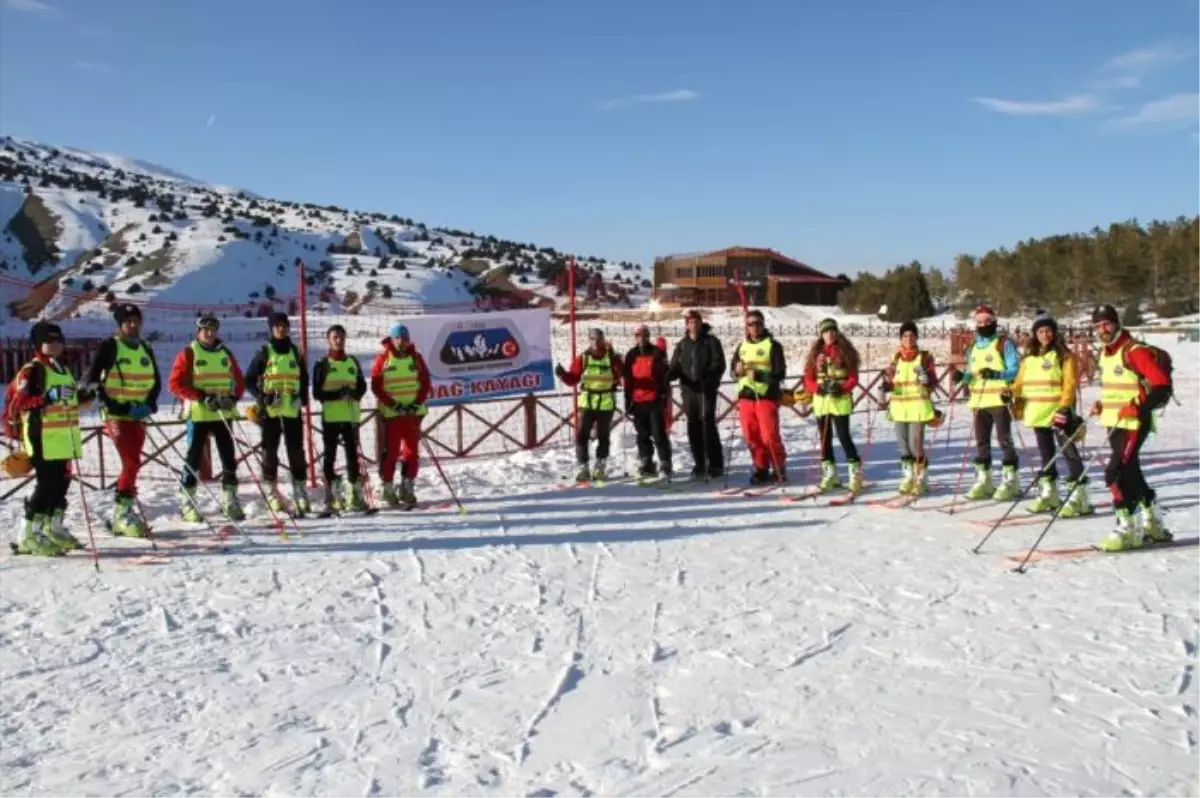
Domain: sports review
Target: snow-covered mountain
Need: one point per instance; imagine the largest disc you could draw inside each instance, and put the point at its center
(81, 228)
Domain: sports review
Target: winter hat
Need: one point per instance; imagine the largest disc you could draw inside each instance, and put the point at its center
(399, 331)
(126, 311)
(827, 325)
(985, 308)
(1105, 313)
(1043, 320)
(208, 321)
(908, 326)
(44, 332)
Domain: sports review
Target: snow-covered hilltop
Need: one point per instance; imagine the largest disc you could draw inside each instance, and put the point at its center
(80, 229)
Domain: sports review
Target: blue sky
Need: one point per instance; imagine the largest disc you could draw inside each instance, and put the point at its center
(851, 135)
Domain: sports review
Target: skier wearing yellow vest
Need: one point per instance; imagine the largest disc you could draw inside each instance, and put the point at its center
(277, 378)
(910, 408)
(597, 372)
(129, 383)
(992, 365)
(759, 367)
(338, 384)
(401, 384)
(206, 375)
(1045, 391)
(830, 376)
(48, 402)
(1133, 384)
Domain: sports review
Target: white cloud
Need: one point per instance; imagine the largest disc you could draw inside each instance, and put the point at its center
(36, 6)
(1116, 82)
(1074, 104)
(1178, 111)
(676, 96)
(212, 120)
(1145, 59)
(95, 66)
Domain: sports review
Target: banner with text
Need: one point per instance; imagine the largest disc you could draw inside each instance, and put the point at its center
(485, 356)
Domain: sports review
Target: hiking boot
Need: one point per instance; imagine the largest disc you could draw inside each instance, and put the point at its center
(1047, 500)
(983, 488)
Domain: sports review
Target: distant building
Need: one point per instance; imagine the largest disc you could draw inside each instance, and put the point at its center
(768, 278)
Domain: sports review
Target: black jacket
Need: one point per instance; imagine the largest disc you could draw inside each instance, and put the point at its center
(321, 369)
(106, 361)
(699, 365)
(258, 367)
(775, 374)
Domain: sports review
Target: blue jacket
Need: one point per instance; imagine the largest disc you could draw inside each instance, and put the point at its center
(1012, 361)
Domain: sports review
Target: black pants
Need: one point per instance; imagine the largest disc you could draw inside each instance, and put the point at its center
(1048, 439)
(333, 432)
(52, 480)
(292, 431)
(1124, 476)
(827, 426)
(1001, 419)
(651, 431)
(703, 438)
(198, 433)
(601, 420)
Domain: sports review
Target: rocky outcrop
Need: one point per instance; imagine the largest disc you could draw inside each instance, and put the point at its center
(37, 229)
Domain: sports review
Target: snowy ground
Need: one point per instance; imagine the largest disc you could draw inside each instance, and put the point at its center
(617, 641)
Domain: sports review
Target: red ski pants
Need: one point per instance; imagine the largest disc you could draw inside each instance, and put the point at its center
(129, 437)
(402, 437)
(760, 428)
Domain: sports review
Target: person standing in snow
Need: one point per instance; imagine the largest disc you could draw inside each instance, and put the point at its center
(48, 401)
(1045, 391)
(910, 406)
(129, 384)
(401, 385)
(339, 386)
(646, 393)
(698, 362)
(992, 365)
(1133, 384)
(830, 376)
(597, 372)
(206, 375)
(278, 380)
(759, 367)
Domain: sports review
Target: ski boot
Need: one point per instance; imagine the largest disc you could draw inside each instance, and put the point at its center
(1151, 523)
(600, 472)
(407, 497)
(646, 469)
(1077, 504)
(388, 496)
(187, 505)
(920, 478)
(983, 488)
(829, 477)
(760, 476)
(125, 520)
(274, 497)
(1010, 486)
(300, 497)
(56, 530)
(583, 473)
(34, 540)
(908, 478)
(230, 504)
(1048, 500)
(665, 469)
(779, 476)
(354, 498)
(333, 496)
(1126, 535)
(855, 477)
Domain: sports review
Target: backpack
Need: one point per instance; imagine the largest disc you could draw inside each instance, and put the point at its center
(12, 418)
(1161, 356)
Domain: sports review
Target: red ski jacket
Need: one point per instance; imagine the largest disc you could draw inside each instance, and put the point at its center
(179, 382)
(424, 385)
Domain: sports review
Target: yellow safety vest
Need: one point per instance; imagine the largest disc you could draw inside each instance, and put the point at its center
(1041, 388)
(341, 374)
(910, 402)
(597, 384)
(60, 436)
(986, 393)
(212, 372)
(130, 379)
(754, 355)
(1118, 385)
(282, 377)
(832, 405)
(400, 383)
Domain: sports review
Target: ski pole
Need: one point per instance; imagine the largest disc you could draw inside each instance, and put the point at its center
(219, 533)
(962, 469)
(87, 516)
(438, 466)
(278, 522)
(1067, 441)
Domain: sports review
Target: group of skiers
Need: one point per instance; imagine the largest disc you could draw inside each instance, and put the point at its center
(44, 401)
(1039, 387)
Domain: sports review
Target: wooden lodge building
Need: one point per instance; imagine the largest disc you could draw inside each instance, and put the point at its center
(708, 279)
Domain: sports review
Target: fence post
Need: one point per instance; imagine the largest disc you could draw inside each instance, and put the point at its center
(531, 428)
(308, 436)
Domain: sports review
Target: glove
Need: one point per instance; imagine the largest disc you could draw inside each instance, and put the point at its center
(211, 402)
(822, 389)
(346, 392)
(1063, 417)
(86, 394)
(761, 375)
(140, 411)
(1006, 396)
(1131, 410)
(271, 399)
(989, 374)
(404, 409)
(958, 376)
(227, 402)
(60, 393)
(886, 385)
(834, 388)
(119, 408)
(1097, 408)
(560, 371)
